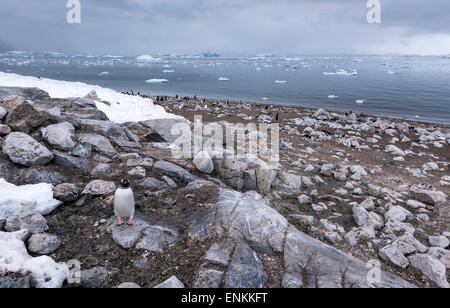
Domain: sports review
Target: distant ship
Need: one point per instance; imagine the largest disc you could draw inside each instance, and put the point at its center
(211, 55)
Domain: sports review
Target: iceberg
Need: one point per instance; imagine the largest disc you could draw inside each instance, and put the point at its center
(168, 71)
(342, 73)
(157, 81)
(280, 81)
(332, 96)
(224, 79)
(103, 74)
(360, 101)
(147, 58)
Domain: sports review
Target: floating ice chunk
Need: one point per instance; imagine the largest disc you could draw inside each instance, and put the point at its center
(332, 96)
(147, 58)
(342, 73)
(103, 74)
(35, 198)
(264, 98)
(168, 71)
(157, 80)
(280, 81)
(390, 72)
(224, 79)
(360, 101)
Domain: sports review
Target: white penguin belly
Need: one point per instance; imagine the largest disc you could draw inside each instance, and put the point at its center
(124, 203)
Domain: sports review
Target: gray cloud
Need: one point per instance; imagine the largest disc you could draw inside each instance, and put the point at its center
(133, 27)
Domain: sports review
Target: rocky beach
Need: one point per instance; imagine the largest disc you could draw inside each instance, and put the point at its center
(351, 194)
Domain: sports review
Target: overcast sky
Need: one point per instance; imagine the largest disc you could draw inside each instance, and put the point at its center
(229, 27)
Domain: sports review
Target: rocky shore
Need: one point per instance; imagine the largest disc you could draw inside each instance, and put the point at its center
(350, 191)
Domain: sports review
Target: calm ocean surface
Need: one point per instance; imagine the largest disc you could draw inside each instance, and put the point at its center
(415, 88)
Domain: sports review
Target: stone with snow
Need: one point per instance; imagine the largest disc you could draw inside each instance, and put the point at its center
(24, 150)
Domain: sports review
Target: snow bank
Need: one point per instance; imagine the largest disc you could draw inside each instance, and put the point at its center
(35, 198)
(44, 271)
(124, 108)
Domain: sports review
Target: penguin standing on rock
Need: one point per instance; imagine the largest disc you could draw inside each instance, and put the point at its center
(124, 203)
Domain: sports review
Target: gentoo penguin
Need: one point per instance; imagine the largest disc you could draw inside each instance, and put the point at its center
(124, 203)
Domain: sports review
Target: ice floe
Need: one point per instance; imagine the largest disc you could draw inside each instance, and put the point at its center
(224, 79)
(156, 80)
(342, 72)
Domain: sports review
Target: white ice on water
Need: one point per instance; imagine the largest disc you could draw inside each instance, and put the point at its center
(224, 79)
(123, 108)
(156, 80)
(35, 198)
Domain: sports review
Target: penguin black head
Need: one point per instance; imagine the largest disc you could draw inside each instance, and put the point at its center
(125, 183)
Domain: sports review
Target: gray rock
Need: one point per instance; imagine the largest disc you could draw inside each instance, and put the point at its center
(171, 283)
(127, 236)
(250, 182)
(15, 283)
(152, 184)
(24, 150)
(68, 161)
(6, 167)
(201, 225)
(128, 285)
(356, 234)
(363, 218)
(305, 220)
(203, 162)
(36, 176)
(428, 196)
(265, 179)
(219, 253)
(4, 130)
(294, 181)
(173, 171)
(82, 150)
(3, 113)
(28, 93)
(397, 213)
(32, 222)
(392, 254)
(138, 172)
(415, 204)
(101, 169)
(304, 199)
(208, 279)
(439, 241)
(311, 263)
(100, 143)
(245, 270)
(157, 236)
(92, 278)
(2, 224)
(431, 268)
(59, 136)
(43, 243)
(99, 188)
(21, 115)
(249, 217)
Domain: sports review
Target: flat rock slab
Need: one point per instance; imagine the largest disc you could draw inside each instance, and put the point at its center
(127, 236)
(173, 171)
(245, 270)
(208, 279)
(220, 252)
(171, 283)
(24, 150)
(157, 236)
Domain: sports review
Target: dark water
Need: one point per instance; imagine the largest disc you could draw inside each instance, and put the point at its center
(416, 88)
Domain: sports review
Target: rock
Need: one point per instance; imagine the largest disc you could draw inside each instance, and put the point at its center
(40, 175)
(43, 244)
(339, 176)
(327, 169)
(430, 167)
(24, 150)
(3, 113)
(4, 130)
(397, 213)
(171, 283)
(157, 236)
(173, 171)
(356, 234)
(204, 162)
(250, 181)
(304, 199)
(99, 188)
(2, 224)
(21, 115)
(82, 150)
(440, 254)
(294, 181)
(219, 253)
(101, 169)
(305, 220)
(393, 255)
(265, 179)
(32, 222)
(208, 279)
(423, 217)
(394, 150)
(439, 241)
(28, 93)
(15, 282)
(92, 278)
(432, 197)
(121, 135)
(431, 268)
(127, 236)
(393, 227)
(6, 167)
(415, 204)
(152, 184)
(137, 172)
(128, 285)
(245, 270)
(333, 237)
(358, 170)
(68, 161)
(59, 136)
(367, 204)
(66, 192)
(363, 218)
(249, 217)
(99, 143)
(310, 263)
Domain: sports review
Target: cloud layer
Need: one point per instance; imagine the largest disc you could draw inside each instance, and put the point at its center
(131, 27)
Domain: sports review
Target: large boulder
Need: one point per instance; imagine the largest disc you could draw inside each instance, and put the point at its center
(34, 94)
(24, 150)
(432, 197)
(101, 144)
(430, 267)
(173, 171)
(60, 136)
(21, 115)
